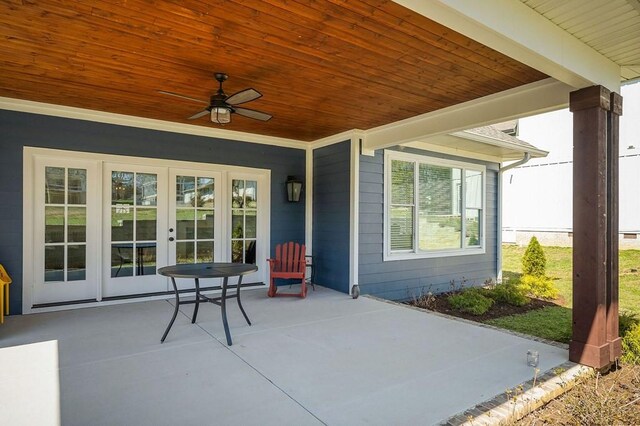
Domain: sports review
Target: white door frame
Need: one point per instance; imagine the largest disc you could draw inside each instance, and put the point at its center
(263, 176)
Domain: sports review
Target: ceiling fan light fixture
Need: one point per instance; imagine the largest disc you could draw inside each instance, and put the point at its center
(220, 115)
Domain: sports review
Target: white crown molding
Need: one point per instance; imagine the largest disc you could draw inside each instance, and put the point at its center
(143, 123)
(337, 138)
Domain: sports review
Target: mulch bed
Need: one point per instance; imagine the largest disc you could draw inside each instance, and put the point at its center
(440, 304)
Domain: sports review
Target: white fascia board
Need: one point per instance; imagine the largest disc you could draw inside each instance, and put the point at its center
(144, 123)
(535, 152)
(516, 30)
(530, 99)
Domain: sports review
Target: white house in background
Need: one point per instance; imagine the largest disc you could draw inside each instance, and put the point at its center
(529, 190)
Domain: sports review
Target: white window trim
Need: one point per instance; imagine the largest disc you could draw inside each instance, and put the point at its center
(388, 255)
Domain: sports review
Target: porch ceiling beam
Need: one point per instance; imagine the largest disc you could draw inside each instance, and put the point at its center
(521, 33)
(534, 98)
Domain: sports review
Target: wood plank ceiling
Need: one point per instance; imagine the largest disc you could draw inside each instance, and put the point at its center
(323, 66)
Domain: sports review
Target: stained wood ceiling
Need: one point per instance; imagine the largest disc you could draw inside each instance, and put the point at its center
(323, 66)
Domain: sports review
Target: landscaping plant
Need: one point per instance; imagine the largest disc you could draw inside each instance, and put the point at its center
(534, 262)
(508, 293)
(471, 301)
(540, 287)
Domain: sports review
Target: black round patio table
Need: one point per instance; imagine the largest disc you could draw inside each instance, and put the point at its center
(207, 270)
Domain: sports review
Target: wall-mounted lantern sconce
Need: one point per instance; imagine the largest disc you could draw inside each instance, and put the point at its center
(294, 189)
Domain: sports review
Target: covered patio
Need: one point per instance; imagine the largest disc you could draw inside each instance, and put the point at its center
(327, 359)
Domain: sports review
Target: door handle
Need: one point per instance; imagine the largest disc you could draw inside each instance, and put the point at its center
(170, 229)
(171, 238)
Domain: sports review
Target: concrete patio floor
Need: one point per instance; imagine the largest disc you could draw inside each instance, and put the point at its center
(327, 359)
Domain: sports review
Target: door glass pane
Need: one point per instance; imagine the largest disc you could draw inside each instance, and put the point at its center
(146, 189)
(54, 263)
(146, 220)
(185, 191)
(121, 260)
(237, 224)
(77, 186)
(250, 225)
(205, 224)
(54, 185)
(121, 188)
(237, 251)
(206, 194)
(146, 258)
(205, 252)
(122, 223)
(77, 224)
(237, 193)
(54, 224)
(76, 262)
(250, 252)
(185, 252)
(185, 224)
(251, 194)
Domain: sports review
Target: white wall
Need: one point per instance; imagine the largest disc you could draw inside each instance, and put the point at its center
(538, 195)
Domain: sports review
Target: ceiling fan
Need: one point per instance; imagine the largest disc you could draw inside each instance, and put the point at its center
(221, 106)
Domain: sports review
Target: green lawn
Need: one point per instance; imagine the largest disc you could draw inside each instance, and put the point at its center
(559, 269)
(554, 323)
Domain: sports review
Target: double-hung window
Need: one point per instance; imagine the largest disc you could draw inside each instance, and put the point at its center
(433, 207)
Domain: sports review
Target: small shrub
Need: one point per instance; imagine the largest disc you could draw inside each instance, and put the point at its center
(534, 262)
(626, 321)
(631, 345)
(508, 293)
(471, 301)
(539, 287)
(425, 300)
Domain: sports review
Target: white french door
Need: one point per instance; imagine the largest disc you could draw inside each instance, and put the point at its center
(102, 225)
(195, 218)
(66, 222)
(134, 229)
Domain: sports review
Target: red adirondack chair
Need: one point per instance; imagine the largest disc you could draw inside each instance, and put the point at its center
(289, 263)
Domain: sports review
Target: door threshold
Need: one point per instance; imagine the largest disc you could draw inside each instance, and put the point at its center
(132, 297)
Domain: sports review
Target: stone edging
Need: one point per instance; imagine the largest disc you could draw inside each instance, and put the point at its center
(505, 410)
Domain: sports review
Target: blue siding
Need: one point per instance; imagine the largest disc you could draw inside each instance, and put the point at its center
(404, 279)
(19, 129)
(331, 180)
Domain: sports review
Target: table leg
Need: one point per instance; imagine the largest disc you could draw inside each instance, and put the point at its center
(175, 311)
(197, 304)
(223, 308)
(240, 303)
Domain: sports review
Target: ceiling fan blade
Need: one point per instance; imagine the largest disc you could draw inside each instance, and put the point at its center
(183, 97)
(243, 96)
(200, 114)
(251, 113)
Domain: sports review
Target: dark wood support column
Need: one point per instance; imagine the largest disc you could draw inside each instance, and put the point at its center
(595, 227)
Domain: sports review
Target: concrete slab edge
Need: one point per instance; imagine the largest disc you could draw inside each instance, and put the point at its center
(507, 408)
(476, 323)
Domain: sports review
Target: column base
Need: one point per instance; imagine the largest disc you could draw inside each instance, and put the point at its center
(616, 349)
(590, 355)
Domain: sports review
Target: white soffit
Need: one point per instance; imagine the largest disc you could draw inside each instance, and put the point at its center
(520, 32)
(612, 27)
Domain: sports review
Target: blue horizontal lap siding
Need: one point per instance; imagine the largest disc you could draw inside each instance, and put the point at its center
(405, 279)
(18, 130)
(331, 195)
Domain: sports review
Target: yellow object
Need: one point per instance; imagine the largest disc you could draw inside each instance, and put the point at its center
(5, 280)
